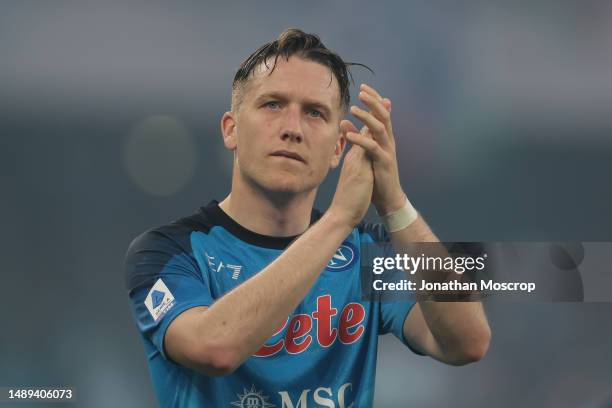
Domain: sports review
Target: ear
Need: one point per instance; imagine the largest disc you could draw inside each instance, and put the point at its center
(229, 130)
(338, 149)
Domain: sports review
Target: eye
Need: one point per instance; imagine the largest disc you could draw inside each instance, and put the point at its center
(315, 113)
(272, 105)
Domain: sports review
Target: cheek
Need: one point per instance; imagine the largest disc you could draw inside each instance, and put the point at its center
(246, 141)
(330, 150)
(324, 160)
(256, 131)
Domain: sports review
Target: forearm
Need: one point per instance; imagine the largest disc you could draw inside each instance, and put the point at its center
(458, 328)
(451, 323)
(244, 318)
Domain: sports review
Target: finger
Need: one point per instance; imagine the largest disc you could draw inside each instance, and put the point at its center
(348, 126)
(367, 88)
(377, 128)
(366, 143)
(355, 152)
(387, 103)
(378, 109)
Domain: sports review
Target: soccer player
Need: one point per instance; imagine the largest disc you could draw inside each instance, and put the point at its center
(255, 301)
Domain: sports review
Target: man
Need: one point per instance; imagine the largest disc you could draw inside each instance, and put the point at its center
(247, 303)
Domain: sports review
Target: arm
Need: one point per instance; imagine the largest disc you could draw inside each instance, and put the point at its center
(454, 333)
(217, 339)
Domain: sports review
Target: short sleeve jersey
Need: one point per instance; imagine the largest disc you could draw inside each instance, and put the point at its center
(324, 355)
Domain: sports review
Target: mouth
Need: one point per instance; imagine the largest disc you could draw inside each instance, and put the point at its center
(289, 155)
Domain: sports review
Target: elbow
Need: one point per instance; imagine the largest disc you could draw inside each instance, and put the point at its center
(470, 355)
(220, 366)
(218, 361)
(472, 352)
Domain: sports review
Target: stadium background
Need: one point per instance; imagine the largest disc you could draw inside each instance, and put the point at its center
(109, 125)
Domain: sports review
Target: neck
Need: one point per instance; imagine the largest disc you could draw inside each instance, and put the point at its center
(269, 213)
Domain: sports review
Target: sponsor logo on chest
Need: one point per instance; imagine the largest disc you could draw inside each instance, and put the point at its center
(319, 397)
(299, 334)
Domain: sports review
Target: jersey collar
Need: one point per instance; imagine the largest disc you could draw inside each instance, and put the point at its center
(217, 216)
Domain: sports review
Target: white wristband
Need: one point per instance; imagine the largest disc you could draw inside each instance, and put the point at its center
(400, 219)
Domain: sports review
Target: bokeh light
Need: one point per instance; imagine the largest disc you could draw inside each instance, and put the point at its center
(160, 155)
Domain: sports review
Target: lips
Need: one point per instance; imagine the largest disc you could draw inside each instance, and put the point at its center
(289, 154)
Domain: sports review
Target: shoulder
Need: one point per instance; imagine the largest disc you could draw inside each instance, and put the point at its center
(157, 247)
(173, 237)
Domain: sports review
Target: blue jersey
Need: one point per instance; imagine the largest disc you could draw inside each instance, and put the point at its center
(324, 355)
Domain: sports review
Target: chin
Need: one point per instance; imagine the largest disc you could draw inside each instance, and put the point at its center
(281, 181)
(284, 183)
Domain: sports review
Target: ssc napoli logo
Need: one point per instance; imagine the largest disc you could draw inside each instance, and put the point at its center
(343, 259)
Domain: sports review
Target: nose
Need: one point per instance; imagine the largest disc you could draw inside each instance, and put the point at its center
(292, 136)
(292, 130)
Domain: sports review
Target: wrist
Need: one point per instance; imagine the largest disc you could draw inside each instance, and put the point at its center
(390, 205)
(337, 221)
(401, 218)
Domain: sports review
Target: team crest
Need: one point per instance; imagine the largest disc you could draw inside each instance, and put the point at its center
(343, 259)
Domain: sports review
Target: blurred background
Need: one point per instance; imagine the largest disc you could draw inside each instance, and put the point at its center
(503, 119)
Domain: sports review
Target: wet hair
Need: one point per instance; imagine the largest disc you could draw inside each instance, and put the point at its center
(307, 46)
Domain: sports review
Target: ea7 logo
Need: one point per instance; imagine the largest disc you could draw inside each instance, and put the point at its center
(320, 397)
(343, 259)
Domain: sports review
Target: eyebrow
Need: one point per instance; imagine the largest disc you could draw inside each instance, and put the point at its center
(283, 97)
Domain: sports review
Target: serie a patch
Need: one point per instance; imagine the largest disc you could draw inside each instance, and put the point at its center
(159, 300)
